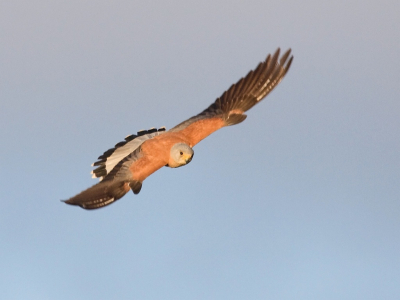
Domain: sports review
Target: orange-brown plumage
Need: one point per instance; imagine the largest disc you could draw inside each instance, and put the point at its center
(130, 162)
(199, 130)
(155, 154)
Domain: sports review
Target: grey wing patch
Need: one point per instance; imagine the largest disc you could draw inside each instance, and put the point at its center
(121, 170)
(110, 158)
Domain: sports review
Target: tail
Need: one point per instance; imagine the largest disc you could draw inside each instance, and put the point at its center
(101, 194)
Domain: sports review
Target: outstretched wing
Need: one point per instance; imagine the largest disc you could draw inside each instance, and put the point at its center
(110, 158)
(230, 107)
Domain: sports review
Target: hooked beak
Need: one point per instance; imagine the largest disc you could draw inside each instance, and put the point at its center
(188, 158)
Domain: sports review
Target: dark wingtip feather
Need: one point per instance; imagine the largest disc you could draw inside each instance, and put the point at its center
(130, 137)
(284, 57)
(120, 144)
(106, 153)
(289, 63)
(98, 163)
(276, 54)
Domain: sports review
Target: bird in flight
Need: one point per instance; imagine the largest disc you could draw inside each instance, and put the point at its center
(130, 162)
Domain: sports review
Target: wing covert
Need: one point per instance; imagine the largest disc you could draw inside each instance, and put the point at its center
(110, 158)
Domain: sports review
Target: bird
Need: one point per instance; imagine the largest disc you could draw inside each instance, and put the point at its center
(125, 166)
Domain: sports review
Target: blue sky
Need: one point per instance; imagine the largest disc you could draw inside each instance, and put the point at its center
(300, 201)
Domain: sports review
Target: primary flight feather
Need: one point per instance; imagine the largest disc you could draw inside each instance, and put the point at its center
(130, 162)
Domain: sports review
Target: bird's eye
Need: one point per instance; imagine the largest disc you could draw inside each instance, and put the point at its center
(181, 153)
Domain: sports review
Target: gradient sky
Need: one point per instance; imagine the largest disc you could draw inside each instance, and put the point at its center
(300, 201)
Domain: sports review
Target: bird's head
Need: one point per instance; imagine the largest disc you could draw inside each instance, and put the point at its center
(181, 154)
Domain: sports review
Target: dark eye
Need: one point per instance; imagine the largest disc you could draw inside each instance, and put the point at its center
(181, 153)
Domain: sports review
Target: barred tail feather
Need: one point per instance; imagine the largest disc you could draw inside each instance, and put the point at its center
(101, 194)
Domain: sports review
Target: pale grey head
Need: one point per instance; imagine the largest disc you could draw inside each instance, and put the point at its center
(181, 154)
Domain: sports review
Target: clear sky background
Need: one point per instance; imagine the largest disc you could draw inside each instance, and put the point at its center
(301, 201)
